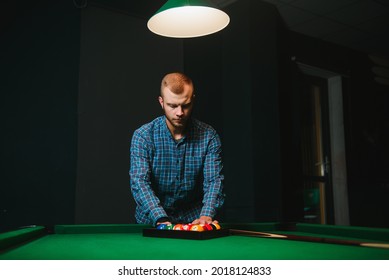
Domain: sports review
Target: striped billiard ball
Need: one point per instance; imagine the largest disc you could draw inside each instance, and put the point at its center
(196, 228)
(217, 226)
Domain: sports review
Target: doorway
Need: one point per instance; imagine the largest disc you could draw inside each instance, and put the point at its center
(315, 147)
(323, 149)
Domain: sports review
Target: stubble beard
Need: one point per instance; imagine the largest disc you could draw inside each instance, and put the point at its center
(178, 123)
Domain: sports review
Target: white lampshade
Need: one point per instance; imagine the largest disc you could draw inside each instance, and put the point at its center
(186, 19)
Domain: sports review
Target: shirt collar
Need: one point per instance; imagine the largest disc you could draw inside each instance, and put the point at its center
(167, 131)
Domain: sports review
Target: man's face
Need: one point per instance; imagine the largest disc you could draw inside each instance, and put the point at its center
(177, 107)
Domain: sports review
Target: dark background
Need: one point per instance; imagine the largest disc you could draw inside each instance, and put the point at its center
(76, 82)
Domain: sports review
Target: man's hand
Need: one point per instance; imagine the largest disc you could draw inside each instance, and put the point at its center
(163, 220)
(166, 223)
(204, 220)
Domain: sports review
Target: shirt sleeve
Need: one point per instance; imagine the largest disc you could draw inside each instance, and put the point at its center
(213, 178)
(140, 174)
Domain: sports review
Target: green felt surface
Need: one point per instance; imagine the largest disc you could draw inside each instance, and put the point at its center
(125, 242)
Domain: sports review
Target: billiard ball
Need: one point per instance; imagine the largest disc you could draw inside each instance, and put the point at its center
(196, 228)
(169, 227)
(217, 226)
(161, 226)
(186, 226)
(213, 226)
(177, 227)
(207, 227)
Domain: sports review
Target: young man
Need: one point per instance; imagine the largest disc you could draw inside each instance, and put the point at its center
(176, 165)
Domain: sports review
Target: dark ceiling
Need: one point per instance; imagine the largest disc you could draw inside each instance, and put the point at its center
(142, 9)
(358, 24)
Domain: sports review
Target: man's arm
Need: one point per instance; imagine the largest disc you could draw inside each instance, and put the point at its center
(140, 174)
(213, 181)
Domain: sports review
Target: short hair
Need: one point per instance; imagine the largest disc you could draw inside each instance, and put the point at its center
(175, 82)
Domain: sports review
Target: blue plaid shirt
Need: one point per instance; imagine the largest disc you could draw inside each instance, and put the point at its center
(178, 179)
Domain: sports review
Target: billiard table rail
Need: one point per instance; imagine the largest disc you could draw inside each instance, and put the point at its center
(305, 238)
(335, 231)
(16, 237)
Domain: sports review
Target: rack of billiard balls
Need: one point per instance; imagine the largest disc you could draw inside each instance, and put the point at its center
(186, 231)
(189, 227)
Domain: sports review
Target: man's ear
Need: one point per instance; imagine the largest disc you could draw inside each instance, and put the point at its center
(160, 100)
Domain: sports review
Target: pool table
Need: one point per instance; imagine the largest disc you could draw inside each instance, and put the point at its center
(126, 242)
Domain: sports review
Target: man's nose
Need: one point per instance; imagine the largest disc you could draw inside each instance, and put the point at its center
(179, 112)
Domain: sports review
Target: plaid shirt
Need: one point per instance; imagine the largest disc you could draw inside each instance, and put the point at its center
(177, 179)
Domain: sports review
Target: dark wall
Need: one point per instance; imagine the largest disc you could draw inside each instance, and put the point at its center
(39, 54)
(236, 71)
(367, 144)
(265, 99)
(121, 67)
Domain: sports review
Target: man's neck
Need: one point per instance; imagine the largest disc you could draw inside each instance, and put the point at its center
(177, 133)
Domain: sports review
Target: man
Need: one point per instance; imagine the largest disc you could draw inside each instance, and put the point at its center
(176, 165)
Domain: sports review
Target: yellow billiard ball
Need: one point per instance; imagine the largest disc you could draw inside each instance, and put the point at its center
(217, 226)
(196, 228)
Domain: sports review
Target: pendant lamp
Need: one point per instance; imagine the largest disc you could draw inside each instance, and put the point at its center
(187, 19)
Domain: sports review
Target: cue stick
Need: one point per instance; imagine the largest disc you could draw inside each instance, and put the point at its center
(309, 238)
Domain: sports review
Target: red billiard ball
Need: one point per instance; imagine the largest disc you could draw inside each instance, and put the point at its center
(207, 227)
(186, 226)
